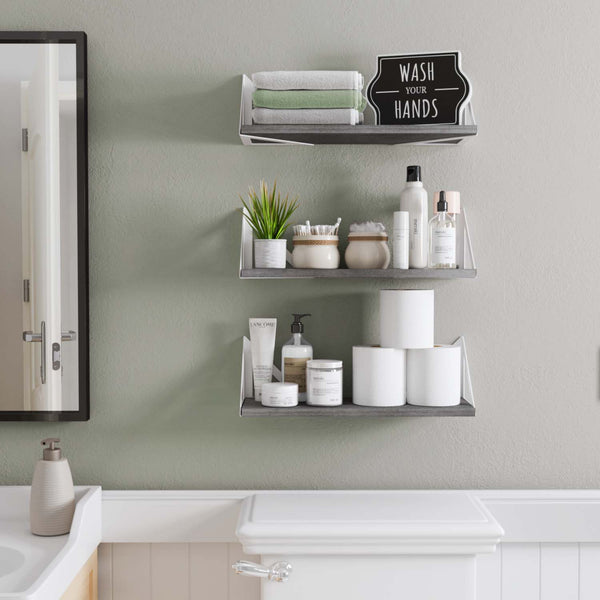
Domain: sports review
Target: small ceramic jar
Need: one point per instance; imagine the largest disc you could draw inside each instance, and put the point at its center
(367, 250)
(316, 252)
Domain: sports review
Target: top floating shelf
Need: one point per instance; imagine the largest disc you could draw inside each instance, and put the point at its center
(309, 135)
(439, 135)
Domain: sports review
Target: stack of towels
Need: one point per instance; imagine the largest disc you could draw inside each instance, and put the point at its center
(308, 98)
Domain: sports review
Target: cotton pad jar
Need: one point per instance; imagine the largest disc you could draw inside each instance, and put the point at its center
(367, 246)
(279, 395)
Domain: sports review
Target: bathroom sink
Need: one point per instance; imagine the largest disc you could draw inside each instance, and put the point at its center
(10, 560)
(34, 567)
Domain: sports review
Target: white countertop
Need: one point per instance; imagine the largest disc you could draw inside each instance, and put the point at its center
(40, 568)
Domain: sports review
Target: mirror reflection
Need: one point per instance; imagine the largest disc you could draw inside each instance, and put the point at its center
(39, 311)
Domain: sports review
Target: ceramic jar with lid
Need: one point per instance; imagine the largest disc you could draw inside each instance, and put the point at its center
(316, 252)
(367, 250)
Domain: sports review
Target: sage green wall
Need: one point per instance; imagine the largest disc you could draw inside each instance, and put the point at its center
(167, 309)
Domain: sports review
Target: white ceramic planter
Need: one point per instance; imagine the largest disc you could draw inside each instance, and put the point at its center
(270, 254)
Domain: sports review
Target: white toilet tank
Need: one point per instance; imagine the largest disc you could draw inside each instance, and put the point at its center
(366, 545)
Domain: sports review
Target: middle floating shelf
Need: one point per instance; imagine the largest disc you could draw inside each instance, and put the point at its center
(467, 269)
(251, 408)
(291, 273)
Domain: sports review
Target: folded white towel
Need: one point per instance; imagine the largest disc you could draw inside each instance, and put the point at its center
(308, 80)
(307, 116)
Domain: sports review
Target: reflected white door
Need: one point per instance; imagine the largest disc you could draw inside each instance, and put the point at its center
(41, 233)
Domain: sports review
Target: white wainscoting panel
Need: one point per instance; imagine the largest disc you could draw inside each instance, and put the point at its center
(589, 571)
(528, 571)
(173, 571)
(559, 577)
(541, 571)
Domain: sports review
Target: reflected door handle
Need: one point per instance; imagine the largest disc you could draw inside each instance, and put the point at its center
(68, 336)
(279, 571)
(30, 336)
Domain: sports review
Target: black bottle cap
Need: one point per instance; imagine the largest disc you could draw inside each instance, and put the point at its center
(442, 205)
(413, 173)
(298, 325)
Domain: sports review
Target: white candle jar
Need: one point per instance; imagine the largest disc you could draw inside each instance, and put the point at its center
(368, 250)
(316, 252)
(324, 382)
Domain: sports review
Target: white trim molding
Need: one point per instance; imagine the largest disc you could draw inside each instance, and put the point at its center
(194, 516)
(551, 516)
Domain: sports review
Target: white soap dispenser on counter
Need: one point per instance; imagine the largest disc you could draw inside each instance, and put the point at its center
(52, 501)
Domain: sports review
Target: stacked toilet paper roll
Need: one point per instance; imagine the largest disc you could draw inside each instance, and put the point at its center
(378, 376)
(406, 318)
(433, 374)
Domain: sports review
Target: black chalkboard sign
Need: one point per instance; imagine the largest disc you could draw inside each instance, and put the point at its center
(410, 89)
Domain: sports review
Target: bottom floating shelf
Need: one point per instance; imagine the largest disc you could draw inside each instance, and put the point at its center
(344, 273)
(251, 408)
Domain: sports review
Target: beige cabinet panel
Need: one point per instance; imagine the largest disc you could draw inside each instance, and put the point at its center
(85, 584)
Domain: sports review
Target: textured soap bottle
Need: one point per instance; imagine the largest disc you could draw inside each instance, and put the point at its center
(295, 353)
(52, 501)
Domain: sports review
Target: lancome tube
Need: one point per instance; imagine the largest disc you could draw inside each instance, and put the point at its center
(262, 342)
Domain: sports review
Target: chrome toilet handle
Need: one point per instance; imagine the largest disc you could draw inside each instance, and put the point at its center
(278, 571)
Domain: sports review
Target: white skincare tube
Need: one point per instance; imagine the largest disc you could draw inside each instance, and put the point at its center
(262, 342)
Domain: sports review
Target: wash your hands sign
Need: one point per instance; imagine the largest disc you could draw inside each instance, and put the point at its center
(411, 89)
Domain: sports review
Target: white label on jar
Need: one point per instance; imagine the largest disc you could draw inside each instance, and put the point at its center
(401, 243)
(279, 400)
(443, 246)
(324, 387)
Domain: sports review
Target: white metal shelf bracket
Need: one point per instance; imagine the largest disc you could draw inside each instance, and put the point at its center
(246, 119)
(247, 387)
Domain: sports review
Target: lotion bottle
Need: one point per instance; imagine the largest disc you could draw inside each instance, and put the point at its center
(52, 501)
(295, 353)
(413, 199)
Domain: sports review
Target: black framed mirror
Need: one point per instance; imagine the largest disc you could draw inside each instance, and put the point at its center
(44, 342)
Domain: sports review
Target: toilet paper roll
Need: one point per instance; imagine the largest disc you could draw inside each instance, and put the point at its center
(378, 376)
(433, 376)
(406, 318)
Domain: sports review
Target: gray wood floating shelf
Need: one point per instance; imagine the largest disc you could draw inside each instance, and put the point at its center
(291, 273)
(435, 135)
(248, 407)
(251, 408)
(358, 134)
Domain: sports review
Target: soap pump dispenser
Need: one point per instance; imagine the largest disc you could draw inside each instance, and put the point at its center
(52, 501)
(295, 353)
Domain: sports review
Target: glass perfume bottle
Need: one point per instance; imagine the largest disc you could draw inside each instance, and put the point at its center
(442, 237)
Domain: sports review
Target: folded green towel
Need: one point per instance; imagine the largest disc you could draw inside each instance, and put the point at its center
(287, 99)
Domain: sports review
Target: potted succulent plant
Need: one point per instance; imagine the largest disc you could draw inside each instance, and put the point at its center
(268, 215)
